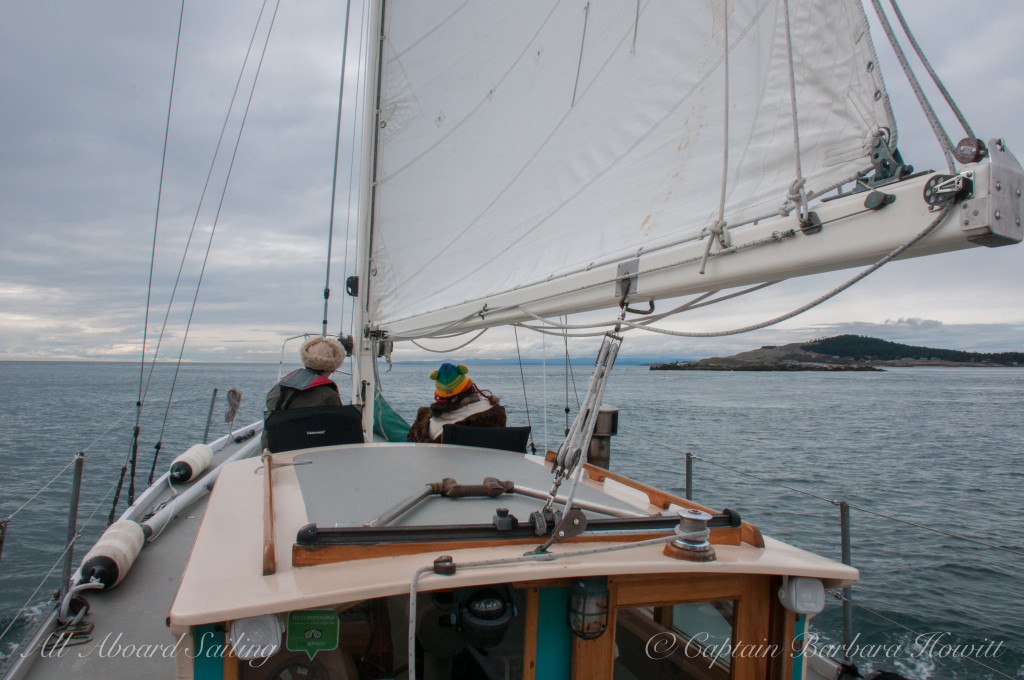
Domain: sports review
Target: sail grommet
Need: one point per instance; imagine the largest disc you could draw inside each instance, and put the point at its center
(691, 542)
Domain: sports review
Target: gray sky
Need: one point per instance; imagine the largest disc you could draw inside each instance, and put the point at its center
(81, 130)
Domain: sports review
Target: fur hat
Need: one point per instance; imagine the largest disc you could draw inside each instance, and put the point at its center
(322, 354)
(450, 380)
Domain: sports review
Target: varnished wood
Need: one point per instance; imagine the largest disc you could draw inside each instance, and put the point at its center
(269, 553)
(751, 592)
(593, 659)
(783, 624)
(750, 534)
(530, 633)
(305, 556)
(230, 660)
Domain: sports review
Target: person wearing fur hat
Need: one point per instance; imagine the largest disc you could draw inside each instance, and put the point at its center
(310, 385)
(457, 399)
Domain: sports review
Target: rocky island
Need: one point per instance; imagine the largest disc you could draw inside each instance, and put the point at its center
(842, 353)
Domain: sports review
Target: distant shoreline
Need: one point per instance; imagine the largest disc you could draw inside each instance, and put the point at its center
(844, 353)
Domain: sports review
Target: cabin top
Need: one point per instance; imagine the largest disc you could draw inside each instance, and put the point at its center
(341, 488)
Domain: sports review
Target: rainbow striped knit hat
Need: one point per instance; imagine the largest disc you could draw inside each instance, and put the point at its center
(450, 380)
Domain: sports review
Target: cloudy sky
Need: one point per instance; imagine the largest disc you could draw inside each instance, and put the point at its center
(85, 95)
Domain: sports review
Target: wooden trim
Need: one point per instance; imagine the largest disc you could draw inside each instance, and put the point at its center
(750, 534)
(752, 593)
(530, 633)
(783, 623)
(231, 661)
(306, 556)
(269, 550)
(595, 659)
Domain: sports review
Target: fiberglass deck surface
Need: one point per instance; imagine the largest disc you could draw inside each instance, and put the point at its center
(351, 487)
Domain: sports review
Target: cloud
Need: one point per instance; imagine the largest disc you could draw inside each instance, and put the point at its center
(86, 95)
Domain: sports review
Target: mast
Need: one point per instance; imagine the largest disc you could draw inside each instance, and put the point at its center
(363, 348)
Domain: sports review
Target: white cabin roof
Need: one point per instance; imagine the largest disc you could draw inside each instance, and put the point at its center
(350, 485)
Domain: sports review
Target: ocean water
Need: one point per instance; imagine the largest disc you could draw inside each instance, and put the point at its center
(924, 456)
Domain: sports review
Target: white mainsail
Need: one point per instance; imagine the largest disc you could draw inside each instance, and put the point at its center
(520, 141)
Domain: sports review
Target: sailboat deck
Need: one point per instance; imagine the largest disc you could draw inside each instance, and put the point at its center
(347, 486)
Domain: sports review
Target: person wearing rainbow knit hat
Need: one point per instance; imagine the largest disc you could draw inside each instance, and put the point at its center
(457, 400)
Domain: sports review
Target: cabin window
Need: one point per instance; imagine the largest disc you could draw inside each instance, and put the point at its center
(689, 641)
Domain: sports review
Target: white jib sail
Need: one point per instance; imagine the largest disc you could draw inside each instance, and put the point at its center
(530, 139)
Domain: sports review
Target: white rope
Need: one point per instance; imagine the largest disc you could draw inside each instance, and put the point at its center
(696, 303)
(927, 65)
(452, 349)
(929, 112)
(796, 195)
(528, 557)
(718, 231)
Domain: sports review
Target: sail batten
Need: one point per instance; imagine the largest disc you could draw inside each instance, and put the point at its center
(529, 140)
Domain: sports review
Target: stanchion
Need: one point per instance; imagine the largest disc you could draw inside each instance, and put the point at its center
(209, 416)
(69, 557)
(844, 531)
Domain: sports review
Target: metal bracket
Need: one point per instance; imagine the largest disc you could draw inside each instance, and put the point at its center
(573, 523)
(810, 225)
(625, 283)
(995, 220)
(941, 189)
(888, 164)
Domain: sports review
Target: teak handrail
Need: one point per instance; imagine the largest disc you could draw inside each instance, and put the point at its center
(269, 552)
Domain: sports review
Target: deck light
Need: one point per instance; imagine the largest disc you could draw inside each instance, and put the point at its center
(802, 595)
(256, 637)
(588, 607)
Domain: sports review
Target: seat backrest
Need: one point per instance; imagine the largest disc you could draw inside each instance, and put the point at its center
(504, 438)
(303, 428)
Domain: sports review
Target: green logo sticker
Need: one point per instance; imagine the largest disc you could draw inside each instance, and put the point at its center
(312, 631)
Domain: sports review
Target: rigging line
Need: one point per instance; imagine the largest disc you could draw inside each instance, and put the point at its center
(213, 230)
(363, 19)
(738, 471)
(43, 488)
(559, 334)
(42, 582)
(572, 374)
(591, 181)
(133, 450)
(776, 237)
(725, 125)
(797, 193)
(579, 62)
(840, 597)
(565, 340)
(696, 303)
(719, 231)
(334, 177)
(60, 558)
(159, 198)
(202, 199)
(814, 303)
(927, 64)
(994, 546)
(452, 349)
(522, 378)
(72, 462)
(929, 112)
